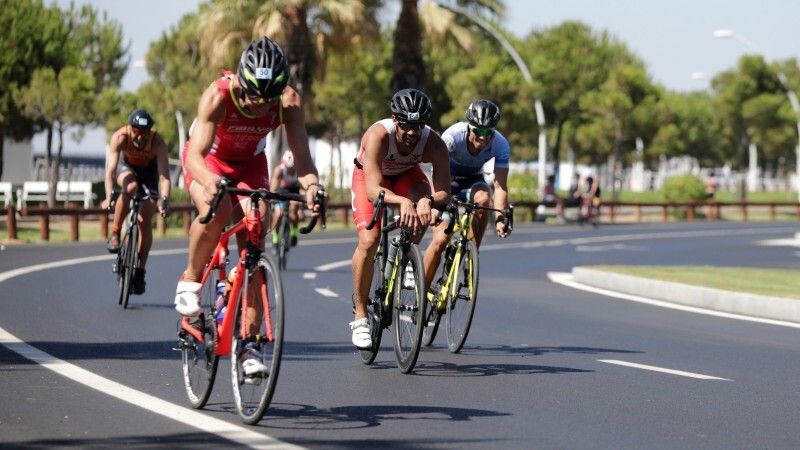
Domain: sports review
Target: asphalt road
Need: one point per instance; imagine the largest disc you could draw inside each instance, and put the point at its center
(545, 366)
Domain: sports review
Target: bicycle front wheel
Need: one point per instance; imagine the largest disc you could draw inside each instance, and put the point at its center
(409, 309)
(284, 240)
(432, 318)
(198, 358)
(120, 268)
(256, 349)
(462, 298)
(374, 313)
(131, 257)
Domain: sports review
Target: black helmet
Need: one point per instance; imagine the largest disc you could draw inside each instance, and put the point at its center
(411, 105)
(141, 119)
(483, 113)
(262, 69)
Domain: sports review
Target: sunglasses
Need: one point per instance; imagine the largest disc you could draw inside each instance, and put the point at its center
(482, 132)
(255, 99)
(407, 126)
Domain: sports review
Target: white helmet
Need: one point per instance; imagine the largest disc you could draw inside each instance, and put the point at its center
(288, 159)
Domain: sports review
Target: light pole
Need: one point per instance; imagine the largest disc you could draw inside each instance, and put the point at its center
(538, 108)
(724, 33)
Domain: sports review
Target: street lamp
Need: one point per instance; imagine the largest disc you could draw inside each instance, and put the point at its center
(538, 108)
(724, 33)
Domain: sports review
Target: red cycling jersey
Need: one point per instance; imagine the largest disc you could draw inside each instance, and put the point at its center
(235, 152)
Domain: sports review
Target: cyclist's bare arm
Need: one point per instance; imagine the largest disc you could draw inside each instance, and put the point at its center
(115, 146)
(436, 153)
(210, 112)
(164, 185)
(501, 200)
(297, 138)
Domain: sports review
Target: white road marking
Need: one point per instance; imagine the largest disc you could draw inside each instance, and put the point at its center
(567, 279)
(309, 275)
(325, 292)
(780, 242)
(186, 416)
(334, 265)
(602, 248)
(682, 373)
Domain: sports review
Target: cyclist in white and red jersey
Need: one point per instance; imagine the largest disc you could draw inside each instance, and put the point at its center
(388, 160)
(234, 113)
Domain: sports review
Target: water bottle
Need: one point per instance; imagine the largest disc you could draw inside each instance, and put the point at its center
(220, 305)
(393, 246)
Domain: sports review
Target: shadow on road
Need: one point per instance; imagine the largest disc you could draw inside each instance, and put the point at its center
(183, 440)
(298, 416)
(488, 350)
(440, 369)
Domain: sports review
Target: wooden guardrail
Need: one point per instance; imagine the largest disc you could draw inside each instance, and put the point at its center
(341, 212)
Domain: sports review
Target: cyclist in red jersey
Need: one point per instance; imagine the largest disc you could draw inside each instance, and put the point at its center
(234, 114)
(388, 160)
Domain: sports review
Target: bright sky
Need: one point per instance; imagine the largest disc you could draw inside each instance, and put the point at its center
(673, 37)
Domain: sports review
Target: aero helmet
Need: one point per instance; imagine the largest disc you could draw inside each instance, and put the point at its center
(141, 119)
(411, 105)
(262, 69)
(288, 159)
(483, 113)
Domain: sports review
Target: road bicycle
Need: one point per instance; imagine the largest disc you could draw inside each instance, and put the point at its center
(396, 295)
(128, 253)
(454, 293)
(255, 296)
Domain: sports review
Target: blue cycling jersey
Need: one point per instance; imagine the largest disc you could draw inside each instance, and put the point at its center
(463, 163)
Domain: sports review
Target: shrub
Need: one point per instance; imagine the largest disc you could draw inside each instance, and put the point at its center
(522, 186)
(684, 188)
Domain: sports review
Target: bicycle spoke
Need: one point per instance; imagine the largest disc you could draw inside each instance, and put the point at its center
(409, 308)
(461, 302)
(199, 358)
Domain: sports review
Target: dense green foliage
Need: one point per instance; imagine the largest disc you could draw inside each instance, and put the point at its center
(683, 188)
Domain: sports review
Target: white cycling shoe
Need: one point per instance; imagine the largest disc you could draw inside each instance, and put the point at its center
(252, 363)
(361, 336)
(187, 300)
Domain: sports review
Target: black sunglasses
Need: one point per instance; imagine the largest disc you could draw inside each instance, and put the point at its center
(407, 126)
(482, 132)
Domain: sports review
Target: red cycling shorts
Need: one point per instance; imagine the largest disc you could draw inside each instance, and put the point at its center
(249, 174)
(400, 184)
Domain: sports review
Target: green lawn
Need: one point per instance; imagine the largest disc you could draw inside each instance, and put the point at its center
(772, 282)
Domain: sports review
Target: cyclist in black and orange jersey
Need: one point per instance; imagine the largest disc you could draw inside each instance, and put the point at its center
(137, 156)
(234, 114)
(284, 179)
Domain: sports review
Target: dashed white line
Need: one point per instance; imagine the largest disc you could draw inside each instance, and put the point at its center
(309, 275)
(164, 408)
(333, 265)
(325, 292)
(682, 373)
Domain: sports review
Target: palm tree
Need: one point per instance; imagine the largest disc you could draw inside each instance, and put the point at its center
(439, 24)
(307, 30)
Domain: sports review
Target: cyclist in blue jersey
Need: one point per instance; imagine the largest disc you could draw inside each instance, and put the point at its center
(472, 144)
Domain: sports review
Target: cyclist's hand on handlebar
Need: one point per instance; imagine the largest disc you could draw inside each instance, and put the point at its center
(163, 206)
(502, 231)
(210, 189)
(425, 212)
(106, 203)
(311, 198)
(408, 216)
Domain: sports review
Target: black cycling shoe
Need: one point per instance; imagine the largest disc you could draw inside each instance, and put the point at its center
(113, 244)
(294, 241)
(138, 284)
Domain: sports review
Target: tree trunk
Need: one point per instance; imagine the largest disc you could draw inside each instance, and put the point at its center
(407, 64)
(300, 51)
(557, 149)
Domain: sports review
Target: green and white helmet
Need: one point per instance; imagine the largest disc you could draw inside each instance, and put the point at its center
(262, 69)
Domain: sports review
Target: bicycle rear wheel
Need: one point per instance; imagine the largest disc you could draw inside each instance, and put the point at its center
(374, 313)
(131, 257)
(253, 392)
(462, 298)
(409, 309)
(198, 358)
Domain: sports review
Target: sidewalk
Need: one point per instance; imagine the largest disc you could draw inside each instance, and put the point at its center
(775, 308)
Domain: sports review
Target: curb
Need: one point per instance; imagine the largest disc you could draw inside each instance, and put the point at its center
(767, 307)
